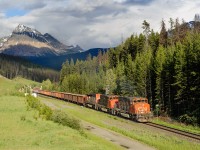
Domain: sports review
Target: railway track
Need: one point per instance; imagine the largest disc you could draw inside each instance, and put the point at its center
(176, 131)
(192, 136)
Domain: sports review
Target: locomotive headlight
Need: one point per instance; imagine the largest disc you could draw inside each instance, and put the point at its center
(140, 109)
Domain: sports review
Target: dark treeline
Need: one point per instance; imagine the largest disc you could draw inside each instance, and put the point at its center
(11, 67)
(164, 67)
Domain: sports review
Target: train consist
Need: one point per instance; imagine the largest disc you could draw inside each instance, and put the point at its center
(135, 108)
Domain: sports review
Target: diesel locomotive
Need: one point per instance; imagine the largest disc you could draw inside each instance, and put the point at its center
(135, 108)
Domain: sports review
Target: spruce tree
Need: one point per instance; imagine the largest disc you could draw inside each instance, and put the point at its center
(163, 35)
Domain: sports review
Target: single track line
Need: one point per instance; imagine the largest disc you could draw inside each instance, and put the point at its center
(176, 131)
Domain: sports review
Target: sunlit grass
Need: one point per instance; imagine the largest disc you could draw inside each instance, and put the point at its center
(133, 130)
(22, 129)
(12, 87)
(19, 130)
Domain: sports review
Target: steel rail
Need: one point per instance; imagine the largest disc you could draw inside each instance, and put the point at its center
(177, 131)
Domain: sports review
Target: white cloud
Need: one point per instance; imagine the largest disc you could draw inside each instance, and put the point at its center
(99, 23)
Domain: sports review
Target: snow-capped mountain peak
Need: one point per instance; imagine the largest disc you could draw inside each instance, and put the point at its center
(26, 41)
(20, 29)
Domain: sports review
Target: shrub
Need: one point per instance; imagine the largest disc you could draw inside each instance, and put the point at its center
(188, 119)
(46, 111)
(54, 115)
(33, 102)
(23, 118)
(62, 118)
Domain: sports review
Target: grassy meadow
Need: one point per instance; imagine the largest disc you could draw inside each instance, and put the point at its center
(22, 129)
(128, 128)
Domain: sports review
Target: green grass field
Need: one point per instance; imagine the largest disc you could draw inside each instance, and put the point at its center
(176, 125)
(21, 130)
(133, 130)
(12, 87)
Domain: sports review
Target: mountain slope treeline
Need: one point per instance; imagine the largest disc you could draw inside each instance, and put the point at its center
(50, 62)
(164, 67)
(12, 66)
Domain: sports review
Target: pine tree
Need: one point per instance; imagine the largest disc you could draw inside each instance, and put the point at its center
(163, 35)
(176, 36)
(141, 68)
(180, 79)
(154, 41)
(110, 81)
(171, 31)
(65, 70)
(159, 64)
(146, 28)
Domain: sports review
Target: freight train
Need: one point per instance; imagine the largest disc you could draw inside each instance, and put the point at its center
(135, 108)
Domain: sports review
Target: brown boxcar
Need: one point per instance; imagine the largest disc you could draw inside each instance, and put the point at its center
(66, 96)
(45, 92)
(59, 95)
(70, 97)
(62, 95)
(74, 98)
(53, 94)
(81, 99)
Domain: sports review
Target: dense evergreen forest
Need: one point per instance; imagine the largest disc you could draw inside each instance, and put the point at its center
(12, 66)
(164, 67)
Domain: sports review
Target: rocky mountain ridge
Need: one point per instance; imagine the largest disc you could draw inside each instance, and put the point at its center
(25, 41)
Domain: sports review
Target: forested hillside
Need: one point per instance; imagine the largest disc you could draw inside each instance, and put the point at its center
(50, 62)
(11, 67)
(162, 66)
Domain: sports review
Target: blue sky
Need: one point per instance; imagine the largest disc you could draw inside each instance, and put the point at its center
(15, 12)
(92, 23)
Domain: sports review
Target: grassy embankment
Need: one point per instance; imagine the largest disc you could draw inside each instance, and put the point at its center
(21, 130)
(133, 130)
(177, 125)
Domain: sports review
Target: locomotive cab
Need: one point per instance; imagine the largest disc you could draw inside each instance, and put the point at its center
(136, 107)
(141, 109)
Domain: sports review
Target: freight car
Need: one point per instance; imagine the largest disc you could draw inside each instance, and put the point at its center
(137, 108)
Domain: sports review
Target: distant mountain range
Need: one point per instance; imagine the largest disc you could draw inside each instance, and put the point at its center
(25, 41)
(44, 50)
(56, 62)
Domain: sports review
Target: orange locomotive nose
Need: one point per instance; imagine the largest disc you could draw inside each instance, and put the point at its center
(142, 108)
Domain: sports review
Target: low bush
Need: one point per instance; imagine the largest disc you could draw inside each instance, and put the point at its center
(188, 119)
(54, 115)
(46, 112)
(23, 118)
(33, 102)
(62, 118)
